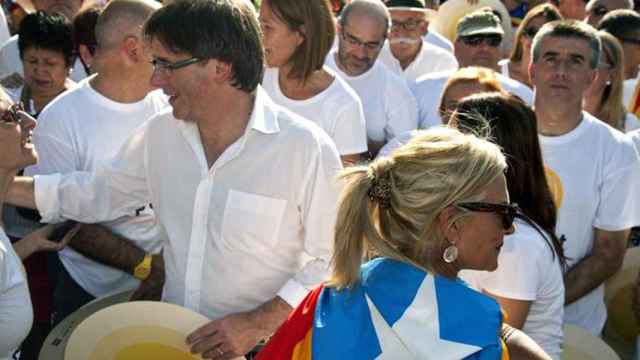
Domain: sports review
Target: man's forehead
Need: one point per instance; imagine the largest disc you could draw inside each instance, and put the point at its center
(569, 46)
(366, 28)
(403, 15)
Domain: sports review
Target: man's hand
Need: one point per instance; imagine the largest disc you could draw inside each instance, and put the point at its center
(236, 334)
(151, 287)
(39, 241)
(232, 336)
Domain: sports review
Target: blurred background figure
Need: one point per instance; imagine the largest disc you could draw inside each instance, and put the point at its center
(597, 9)
(84, 36)
(516, 66)
(603, 99)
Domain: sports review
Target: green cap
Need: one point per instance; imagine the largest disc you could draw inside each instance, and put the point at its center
(479, 22)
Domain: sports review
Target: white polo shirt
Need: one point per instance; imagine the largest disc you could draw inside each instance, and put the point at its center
(430, 59)
(256, 224)
(389, 106)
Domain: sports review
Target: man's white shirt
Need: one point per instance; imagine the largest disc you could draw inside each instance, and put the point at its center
(80, 131)
(428, 92)
(593, 171)
(434, 38)
(256, 224)
(430, 59)
(389, 106)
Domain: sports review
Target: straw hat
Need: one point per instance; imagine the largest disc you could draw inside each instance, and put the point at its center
(135, 330)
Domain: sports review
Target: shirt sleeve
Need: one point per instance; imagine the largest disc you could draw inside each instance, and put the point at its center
(619, 191)
(116, 189)
(350, 134)
(402, 113)
(317, 200)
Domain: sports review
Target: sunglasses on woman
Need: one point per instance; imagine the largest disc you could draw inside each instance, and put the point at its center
(507, 212)
(11, 115)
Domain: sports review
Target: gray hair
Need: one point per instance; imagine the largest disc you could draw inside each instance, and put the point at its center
(568, 29)
(371, 8)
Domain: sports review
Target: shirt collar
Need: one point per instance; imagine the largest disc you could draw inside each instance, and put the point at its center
(263, 116)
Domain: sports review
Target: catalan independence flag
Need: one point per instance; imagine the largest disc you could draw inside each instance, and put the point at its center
(396, 312)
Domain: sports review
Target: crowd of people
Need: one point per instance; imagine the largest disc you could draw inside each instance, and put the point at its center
(321, 180)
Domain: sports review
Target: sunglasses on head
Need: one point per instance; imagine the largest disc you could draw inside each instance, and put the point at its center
(507, 212)
(530, 32)
(11, 114)
(476, 40)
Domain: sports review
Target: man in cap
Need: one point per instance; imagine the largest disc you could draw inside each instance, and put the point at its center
(406, 52)
(477, 43)
(389, 106)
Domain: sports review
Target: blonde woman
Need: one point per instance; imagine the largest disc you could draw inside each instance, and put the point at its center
(604, 98)
(435, 206)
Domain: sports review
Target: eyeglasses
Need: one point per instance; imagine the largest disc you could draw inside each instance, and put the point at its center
(354, 41)
(530, 32)
(408, 25)
(11, 115)
(507, 212)
(476, 40)
(166, 67)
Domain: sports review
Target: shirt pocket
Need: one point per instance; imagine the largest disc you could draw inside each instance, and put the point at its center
(251, 222)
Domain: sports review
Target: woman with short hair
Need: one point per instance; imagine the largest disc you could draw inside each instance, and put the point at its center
(297, 37)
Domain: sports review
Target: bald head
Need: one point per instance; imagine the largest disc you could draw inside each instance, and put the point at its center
(375, 9)
(122, 18)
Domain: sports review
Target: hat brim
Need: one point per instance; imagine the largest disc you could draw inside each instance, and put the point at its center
(139, 329)
(482, 32)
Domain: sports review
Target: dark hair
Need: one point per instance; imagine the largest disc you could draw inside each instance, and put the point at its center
(225, 30)
(313, 19)
(84, 25)
(547, 11)
(620, 23)
(50, 32)
(512, 125)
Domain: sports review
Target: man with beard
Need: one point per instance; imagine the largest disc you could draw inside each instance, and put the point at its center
(407, 53)
(389, 107)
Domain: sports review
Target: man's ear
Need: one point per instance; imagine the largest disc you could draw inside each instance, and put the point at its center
(532, 71)
(223, 71)
(131, 45)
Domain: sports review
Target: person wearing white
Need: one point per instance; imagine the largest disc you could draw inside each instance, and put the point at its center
(245, 189)
(596, 198)
(528, 270)
(428, 92)
(434, 38)
(337, 110)
(429, 59)
(390, 108)
(4, 28)
(16, 313)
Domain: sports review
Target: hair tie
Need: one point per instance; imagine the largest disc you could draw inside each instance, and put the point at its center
(380, 191)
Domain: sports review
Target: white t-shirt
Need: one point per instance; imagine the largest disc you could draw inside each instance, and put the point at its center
(337, 110)
(16, 313)
(428, 91)
(398, 141)
(631, 122)
(389, 106)
(4, 28)
(430, 59)
(528, 270)
(434, 38)
(10, 62)
(596, 170)
(80, 130)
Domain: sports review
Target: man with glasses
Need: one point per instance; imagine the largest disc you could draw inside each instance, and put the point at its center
(83, 128)
(479, 35)
(406, 52)
(389, 107)
(244, 189)
(593, 168)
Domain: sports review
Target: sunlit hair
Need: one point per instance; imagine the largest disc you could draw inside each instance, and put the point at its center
(512, 125)
(313, 19)
(611, 107)
(439, 168)
(547, 11)
(484, 77)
